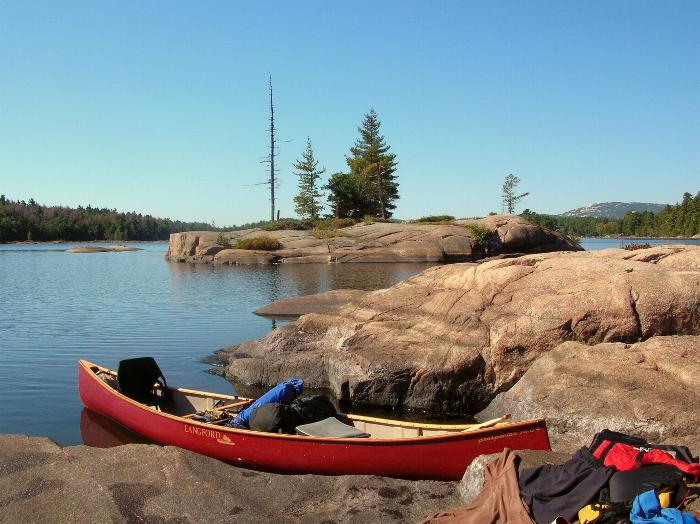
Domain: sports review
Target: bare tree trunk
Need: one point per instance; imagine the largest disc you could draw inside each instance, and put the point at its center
(272, 156)
(379, 189)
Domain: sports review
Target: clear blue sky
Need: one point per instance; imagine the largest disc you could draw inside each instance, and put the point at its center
(161, 107)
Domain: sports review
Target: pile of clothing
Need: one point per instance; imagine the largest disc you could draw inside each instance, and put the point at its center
(619, 478)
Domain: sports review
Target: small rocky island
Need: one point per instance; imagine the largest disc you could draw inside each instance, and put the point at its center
(460, 241)
(102, 249)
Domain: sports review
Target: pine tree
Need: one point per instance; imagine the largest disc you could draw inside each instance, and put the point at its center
(508, 197)
(308, 200)
(374, 167)
(345, 196)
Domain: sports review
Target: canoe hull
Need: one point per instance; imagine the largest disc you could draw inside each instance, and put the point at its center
(443, 457)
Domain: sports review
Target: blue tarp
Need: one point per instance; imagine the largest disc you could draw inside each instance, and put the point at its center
(283, 393)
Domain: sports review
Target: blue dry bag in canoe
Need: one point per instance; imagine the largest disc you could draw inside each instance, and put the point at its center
(282, 393)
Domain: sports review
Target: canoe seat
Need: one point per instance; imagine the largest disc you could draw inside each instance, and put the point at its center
(330, 427)
(137, 378)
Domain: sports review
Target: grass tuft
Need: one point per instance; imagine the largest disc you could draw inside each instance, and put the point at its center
(259, 244)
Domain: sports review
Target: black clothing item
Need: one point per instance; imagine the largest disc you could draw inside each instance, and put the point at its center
(626, 485)
(312, 409)
(560, 491)
(136, 378)
(272, 418)
(283, 418)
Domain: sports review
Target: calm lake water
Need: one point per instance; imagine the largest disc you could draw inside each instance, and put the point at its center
(56, 308)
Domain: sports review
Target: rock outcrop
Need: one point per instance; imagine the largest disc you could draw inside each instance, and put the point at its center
(377, 242)
(675, 256)
(42, 482)
(453, 337)
(327, 302)
(102, 249)
(651, 388)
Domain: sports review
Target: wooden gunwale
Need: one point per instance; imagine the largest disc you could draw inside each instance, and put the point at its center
(89, 367)
(185, 391)
(422, 425)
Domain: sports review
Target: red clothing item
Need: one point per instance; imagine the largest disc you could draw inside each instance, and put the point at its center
(624, 457)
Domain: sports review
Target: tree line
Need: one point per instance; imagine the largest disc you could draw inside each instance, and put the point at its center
(680, 220)
(20, 221)
(369, 187)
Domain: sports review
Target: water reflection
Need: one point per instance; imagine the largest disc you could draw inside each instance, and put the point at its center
(100, 432)
(273, 282)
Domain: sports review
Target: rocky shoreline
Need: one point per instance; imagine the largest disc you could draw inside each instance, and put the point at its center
(576, 337)
(377, 242)
(41, 481)
(607, 339)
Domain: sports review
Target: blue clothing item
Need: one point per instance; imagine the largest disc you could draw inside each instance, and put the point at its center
(647, 510)
(282, 393)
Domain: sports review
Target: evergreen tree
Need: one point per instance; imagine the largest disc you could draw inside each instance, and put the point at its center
(373, 166)
(307, 202)
(346, 196)
(508, 197)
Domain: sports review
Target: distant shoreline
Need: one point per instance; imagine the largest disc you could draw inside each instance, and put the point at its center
(165, 241)
(84, 241)
(643, 238)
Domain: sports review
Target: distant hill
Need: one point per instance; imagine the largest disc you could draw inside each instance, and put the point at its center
(613, 209)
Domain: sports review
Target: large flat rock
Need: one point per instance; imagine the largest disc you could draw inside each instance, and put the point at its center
(318, 303)
(453, 337)
(651, 388)
(42, 482)
(677, 256)
(377, 242)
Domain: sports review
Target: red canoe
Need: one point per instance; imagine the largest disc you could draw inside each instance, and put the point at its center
(394, 449)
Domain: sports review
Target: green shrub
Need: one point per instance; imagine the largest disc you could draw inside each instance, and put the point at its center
(223, 241)
(287, 223)
(479, 234)
(327, 233)
(576, 239)
(435, 219)
(306, 225)
(334, 223)
(259, 244)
